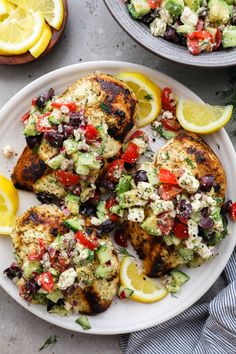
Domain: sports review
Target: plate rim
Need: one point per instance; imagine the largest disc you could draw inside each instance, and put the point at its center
(114, 65)
(163, 55)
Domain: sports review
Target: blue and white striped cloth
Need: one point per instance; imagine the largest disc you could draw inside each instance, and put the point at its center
(208, 328)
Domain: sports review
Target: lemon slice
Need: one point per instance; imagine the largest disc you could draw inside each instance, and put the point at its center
(148, 95)
(6, 8)
(20, 31)
(145, 289)
(202, 118)
(9, 203)
(43, 42)
(52, 10)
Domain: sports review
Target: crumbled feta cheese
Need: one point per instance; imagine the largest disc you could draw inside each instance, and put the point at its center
(65, 163)
(196, 205)
(83, 146)
(206, 252)
(167, 115)
(189, 17)
(136, 214)
(65, 109)
(160, 206)
(60, 128)
(95, 221)
(158, 27)
(142, 145)
(194, 240)
(145, 189)
(67, 306)
(8, 151)
(46, 261)
(166, 16)
(189, 182)
(67, 279)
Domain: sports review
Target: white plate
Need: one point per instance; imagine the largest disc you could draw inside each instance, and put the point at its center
(127, 316)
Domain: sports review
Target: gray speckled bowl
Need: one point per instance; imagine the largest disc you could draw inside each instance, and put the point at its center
(177, 53)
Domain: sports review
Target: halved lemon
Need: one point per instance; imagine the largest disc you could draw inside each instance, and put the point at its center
(202, 118)
(145, 289)
(52, 10)
(43, 42)
(20, 31)
(6, 8)
(9, 203)
(148, 95)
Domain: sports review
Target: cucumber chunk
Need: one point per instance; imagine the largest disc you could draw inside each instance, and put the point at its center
(83, 322)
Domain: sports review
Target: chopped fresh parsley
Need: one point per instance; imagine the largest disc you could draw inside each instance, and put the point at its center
(123, 252)
(190, 162)
(49, 341)
(148, 97)
(105, 107)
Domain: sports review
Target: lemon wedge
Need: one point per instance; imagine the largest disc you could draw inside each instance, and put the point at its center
(6, 8)
(202, 118)
(9, 203)
(20, 31)
(52, 10)
(145, 289)
(148, 95)
(43, 42)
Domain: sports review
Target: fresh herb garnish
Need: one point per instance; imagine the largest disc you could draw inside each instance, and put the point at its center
(148, 97)
(105, 107)
(123, 252)
(49, 341)
(190, 162)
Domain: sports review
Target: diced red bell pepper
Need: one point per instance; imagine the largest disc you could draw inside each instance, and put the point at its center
(25, 117)
(167, 176)
(180, 231)
(85, 241)
(154, 4)
(71, 105)
(45, 280)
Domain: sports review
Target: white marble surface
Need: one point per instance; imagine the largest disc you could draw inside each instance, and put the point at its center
(91, 34)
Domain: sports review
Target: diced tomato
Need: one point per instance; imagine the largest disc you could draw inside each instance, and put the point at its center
(85, 241)
(109, 203)
(34, 100)
(165, 223)
(194, 40)
(115, 169)
(167, 176)
(193, 46)
(139, 134)
(37, 255)
(67, 178)
(43, 124)
(171, 124)
(168, 101)
(71, 105)
(232, 211)
(180, 231)
(45, 280)
(131, 153)
(25, 117)
(154, 4)
(169, 191)
(91, 133)
(218, 39)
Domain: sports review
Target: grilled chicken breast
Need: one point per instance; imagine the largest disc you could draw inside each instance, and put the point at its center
(107, 96)
(189, 151)
(157, 257)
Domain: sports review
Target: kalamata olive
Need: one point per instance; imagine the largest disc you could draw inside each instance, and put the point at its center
(206, 182)
(54, 138)
(171, 35)
(48, 198)
(148, 18)
(67, 131)
(76, 119)
(225, 207)
(108, 184)
(121, 238)
(206, 223)
(129, 166)
(49, 95)
(13, 271)
(41, 101)
(106, 227)
(33, 141)
(205, 212)
(140, 176)
(210, 238)
(32, 286)
(88, 209)
(76, 189)
(184, 210)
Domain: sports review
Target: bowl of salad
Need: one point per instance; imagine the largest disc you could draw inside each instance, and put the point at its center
(194, 32)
